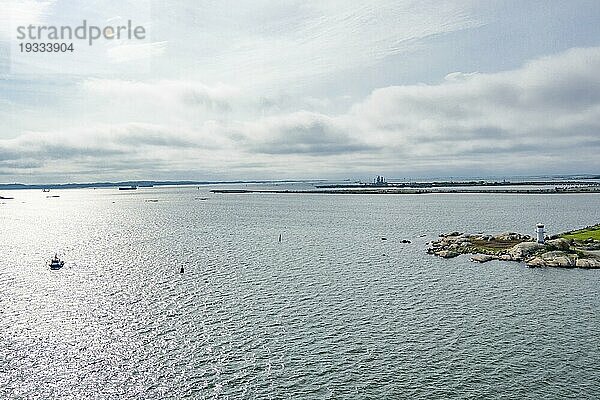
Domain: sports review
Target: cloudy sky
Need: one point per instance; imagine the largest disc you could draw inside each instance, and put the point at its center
(305, 89)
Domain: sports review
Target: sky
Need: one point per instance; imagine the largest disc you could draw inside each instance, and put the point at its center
(228, 90)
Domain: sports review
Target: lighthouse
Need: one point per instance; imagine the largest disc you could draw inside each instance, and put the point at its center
(539, 230)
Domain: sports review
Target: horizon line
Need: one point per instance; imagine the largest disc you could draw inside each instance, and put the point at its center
(182, 182)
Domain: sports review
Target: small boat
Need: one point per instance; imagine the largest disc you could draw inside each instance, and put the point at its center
(45, 190)
(56, 263)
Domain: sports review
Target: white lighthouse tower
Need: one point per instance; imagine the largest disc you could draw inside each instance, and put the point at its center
(539, 230)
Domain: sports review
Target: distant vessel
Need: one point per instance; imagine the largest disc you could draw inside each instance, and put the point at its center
(132, 187)
(56, 263)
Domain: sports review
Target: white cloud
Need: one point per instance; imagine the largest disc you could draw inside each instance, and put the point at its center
(179, 92)
(268, 45)
(459, 76)
(544, 116)
(134, 52)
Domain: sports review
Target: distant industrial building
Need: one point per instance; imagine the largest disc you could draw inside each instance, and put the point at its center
(379, 181)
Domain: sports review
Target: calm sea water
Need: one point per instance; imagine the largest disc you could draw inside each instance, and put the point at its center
(331, 312)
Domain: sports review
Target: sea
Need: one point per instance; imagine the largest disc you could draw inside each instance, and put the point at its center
(339, 308)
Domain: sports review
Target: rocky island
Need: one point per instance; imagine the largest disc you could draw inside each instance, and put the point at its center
(575, 249)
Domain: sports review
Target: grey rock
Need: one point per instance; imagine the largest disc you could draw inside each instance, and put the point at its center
(588, 263)
(451, 234)
(524, 250)
(591, 245)
(508, 236)
(481, 258)
(536, 262)
(447, 253)
(559, 259)
(558, 244)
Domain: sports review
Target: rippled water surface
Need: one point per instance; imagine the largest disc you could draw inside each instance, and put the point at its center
(333, 311)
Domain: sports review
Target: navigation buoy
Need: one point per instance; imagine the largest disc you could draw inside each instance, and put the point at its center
(280, 238)
(181, 270)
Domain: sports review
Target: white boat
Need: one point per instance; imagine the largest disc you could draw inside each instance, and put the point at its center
(56, 263)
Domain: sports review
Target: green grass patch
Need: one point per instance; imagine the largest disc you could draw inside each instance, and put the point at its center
(584, 234)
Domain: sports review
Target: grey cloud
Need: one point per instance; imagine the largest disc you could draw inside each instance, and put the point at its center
(117, 147)
(150, 136)
(20, 164)
(43, 150)
(303, 133)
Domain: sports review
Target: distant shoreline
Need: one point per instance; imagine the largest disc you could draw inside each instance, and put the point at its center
(319, 183)
(587, 189)
(589, 184)
(443, 184)
(141, 184)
